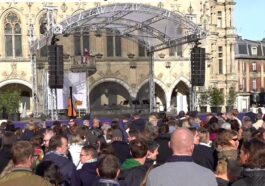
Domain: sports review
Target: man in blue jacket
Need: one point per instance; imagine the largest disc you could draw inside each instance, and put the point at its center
(58, 148)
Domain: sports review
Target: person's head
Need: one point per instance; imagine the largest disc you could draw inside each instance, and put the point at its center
(72, 123)
(50, 171)
(96, 123)
(109, 168)
(234, 113)
(59, 144)
(228, 138)
(88, 153)
(182, 142)
(252, 154)
(138, 149)
(163, 129)
(152, 150)
(22, 154)
(152, 119)
(86, 123)
(46, 137)
(133, 134)
(229, 169)
(8, 139)
(246, 122)
(204, 136)
(195, 133)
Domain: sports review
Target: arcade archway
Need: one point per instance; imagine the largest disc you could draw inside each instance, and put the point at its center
(109, 96)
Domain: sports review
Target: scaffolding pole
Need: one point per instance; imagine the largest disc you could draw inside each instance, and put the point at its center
(151, 83)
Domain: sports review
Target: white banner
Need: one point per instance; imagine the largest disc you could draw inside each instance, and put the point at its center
(79, 91)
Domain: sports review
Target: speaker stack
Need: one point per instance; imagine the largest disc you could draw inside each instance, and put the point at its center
(197, 66)
(56, 66)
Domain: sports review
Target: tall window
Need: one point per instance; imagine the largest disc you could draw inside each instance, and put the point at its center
(220, 59)
(81, 42)
(219, 19)
(113, 43)
(254, 66)
(141, 50)
(254, 84)
(13, 35)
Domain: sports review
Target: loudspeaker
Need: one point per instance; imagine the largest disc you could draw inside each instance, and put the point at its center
(56, 66)
(197, 59)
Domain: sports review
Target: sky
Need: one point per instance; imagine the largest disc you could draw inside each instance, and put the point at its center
(250, 19)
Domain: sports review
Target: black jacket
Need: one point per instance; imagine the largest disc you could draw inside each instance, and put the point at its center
(122, 150)
(87, 175)
(205, 156)
(251, 177)
(133, 176)
(5, 158)
(164, 151)
(222, 182)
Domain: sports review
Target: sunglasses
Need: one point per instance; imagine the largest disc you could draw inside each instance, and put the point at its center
(235, 139)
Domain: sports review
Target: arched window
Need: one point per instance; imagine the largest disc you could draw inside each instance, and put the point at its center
(13, 35)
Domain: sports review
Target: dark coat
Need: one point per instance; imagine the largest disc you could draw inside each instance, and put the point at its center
(5, 158)
(205, 156)
(87, 175)
(122, 150)
(251, 177)
(133, 176)
(222, 182)
(66, 166)
(164, 151)
(106, 182)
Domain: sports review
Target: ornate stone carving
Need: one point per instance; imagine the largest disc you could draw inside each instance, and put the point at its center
(14, 73)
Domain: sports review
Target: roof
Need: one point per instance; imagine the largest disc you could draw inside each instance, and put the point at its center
(249, 49)
(154, 27)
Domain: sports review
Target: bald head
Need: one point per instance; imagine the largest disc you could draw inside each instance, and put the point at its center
(181, 142)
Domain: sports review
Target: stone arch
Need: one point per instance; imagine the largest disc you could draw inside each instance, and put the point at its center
(18, 81)
(24, 87)
(119, 81)
(183, 79)
(110, 94)
(160, 83)
(179, 94)
(142, 94)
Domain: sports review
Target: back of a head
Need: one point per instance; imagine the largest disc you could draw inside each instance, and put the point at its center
(138, 148)
(89, 149)
(182, 142)
(256, 150)
(109, 167)
(49, 171)
(8, 139)
(21, 151)
(55, 141)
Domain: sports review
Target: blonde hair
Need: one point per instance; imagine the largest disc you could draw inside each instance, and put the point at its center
(221, 167)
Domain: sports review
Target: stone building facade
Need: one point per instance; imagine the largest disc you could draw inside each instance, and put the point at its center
(250, 59)
(119, 78)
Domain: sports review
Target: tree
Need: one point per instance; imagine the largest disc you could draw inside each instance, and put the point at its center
(216, 96)
(203, 98)
(10, 100)
(231, 99)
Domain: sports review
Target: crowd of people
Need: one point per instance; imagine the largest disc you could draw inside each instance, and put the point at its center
(159, 150)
